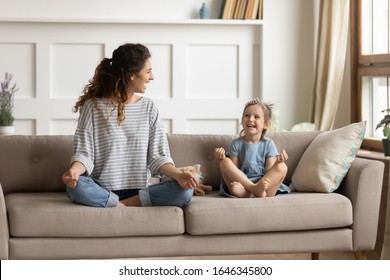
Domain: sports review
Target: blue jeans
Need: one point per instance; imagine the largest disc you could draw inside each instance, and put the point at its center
(169, 193)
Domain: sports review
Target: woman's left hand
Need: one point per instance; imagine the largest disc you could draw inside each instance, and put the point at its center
(186, 180)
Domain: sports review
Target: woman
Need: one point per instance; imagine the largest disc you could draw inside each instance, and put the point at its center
(120, 139)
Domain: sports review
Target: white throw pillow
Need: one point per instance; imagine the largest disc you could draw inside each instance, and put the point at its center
(328, 158)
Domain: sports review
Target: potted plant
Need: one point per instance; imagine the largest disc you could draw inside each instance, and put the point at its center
(6, 105)
(385, 123)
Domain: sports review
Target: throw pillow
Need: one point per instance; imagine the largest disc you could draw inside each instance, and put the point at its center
(327, 159)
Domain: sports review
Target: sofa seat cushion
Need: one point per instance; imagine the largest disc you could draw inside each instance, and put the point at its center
(213, 214)
(51, 214)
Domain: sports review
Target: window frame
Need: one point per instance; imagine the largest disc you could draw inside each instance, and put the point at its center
(372, 65)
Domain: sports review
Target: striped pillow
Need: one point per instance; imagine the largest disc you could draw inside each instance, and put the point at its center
(328, 158)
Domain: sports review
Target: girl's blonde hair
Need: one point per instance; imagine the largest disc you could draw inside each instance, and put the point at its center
(267, 110)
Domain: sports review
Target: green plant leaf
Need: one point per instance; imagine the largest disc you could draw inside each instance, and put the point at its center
(384, 122)
(386, 132)
(6, 117)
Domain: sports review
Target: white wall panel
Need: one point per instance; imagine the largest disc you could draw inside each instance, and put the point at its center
(289, 34)
(25, 127)
(19, 59)
(209, 126)
(58, 127)
(212, 71)
(162, 70)
(202, 79)
(72, 65)
(167, 125)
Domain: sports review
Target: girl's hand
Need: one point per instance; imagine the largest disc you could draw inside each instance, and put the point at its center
(283, 156)
(219, 153)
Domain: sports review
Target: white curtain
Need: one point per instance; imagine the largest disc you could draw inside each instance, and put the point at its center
(331, 54)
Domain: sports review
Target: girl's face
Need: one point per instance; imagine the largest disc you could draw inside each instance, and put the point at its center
(253, 120)
(138, 82)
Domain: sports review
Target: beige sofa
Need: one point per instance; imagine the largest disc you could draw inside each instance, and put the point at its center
(37, 220)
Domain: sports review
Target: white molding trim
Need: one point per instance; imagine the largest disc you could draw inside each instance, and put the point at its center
(205, 70)
(136, 21)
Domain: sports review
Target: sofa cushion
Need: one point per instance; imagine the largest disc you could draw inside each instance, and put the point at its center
(295, 148)
(33, 158)
(213, 214)
(51, 214)
(328, 158)
(189, 149)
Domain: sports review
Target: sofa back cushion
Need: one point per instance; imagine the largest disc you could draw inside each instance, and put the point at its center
(190, 149)
(199, 149)
(34, 163)
(295, 144)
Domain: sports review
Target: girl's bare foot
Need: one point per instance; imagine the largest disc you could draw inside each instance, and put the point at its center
(238, 190)
(259, 190)
(263, 185)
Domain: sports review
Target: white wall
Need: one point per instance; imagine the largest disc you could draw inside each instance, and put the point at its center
(289, 36)
(289, 58)
(202, 78)
(106, 9)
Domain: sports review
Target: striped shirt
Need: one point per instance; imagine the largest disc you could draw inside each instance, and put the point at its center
(121, 157)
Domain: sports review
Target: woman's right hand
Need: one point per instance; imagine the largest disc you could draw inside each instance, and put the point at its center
(70, 178)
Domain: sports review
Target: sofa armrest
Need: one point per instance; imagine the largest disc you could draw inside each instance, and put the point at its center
(363, 186)
(4, 232)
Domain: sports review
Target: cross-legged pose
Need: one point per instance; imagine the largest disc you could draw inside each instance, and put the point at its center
(120, 139)
(253, 166)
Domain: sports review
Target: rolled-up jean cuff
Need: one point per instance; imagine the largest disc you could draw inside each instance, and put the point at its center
(112, 200)
(144, 197)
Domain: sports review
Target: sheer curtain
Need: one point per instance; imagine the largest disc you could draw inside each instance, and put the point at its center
(331, 54)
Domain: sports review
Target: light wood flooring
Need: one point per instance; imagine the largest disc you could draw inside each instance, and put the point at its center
(301, 256)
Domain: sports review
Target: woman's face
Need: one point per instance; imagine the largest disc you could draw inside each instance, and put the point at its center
(138, 82)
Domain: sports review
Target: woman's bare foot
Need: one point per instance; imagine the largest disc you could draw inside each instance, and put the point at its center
(131, 201)
(238, 190)
(120, 204)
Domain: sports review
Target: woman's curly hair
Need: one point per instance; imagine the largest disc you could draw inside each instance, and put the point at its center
(112, 76)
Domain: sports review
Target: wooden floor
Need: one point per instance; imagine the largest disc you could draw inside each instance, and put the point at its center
(301, 256)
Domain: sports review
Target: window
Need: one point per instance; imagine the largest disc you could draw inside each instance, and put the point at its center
(370, 58)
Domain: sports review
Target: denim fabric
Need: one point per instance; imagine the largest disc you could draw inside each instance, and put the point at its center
(89, 193)
(123, 194)
(169, 193)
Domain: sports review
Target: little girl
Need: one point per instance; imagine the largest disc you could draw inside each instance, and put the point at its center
(253, 167)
